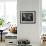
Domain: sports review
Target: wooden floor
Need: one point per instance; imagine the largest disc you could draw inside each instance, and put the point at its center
(2, 43)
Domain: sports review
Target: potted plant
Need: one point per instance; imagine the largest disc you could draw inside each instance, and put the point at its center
(1, 22)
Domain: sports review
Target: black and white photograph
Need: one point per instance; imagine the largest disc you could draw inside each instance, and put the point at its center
(27, 17)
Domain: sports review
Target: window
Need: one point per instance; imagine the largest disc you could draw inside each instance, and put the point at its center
(8, 11)
(44, 16)
(44, 12)
(1, 9)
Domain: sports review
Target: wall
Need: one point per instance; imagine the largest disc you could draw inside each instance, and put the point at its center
(29, 31)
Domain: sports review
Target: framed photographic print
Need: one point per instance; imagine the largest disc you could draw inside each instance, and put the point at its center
(27, 17)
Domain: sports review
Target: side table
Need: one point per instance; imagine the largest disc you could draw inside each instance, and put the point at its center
(1, 34)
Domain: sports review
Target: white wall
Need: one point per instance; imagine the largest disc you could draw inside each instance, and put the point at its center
(29, 31)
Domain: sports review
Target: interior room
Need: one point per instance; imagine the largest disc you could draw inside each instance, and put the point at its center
(22, 22)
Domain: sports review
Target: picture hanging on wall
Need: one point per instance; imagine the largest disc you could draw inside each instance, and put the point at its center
(27, 17)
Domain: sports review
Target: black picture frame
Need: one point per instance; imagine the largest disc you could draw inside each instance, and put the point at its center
(27, 17)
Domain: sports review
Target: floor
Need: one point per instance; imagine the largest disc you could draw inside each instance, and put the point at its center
(2, 43)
